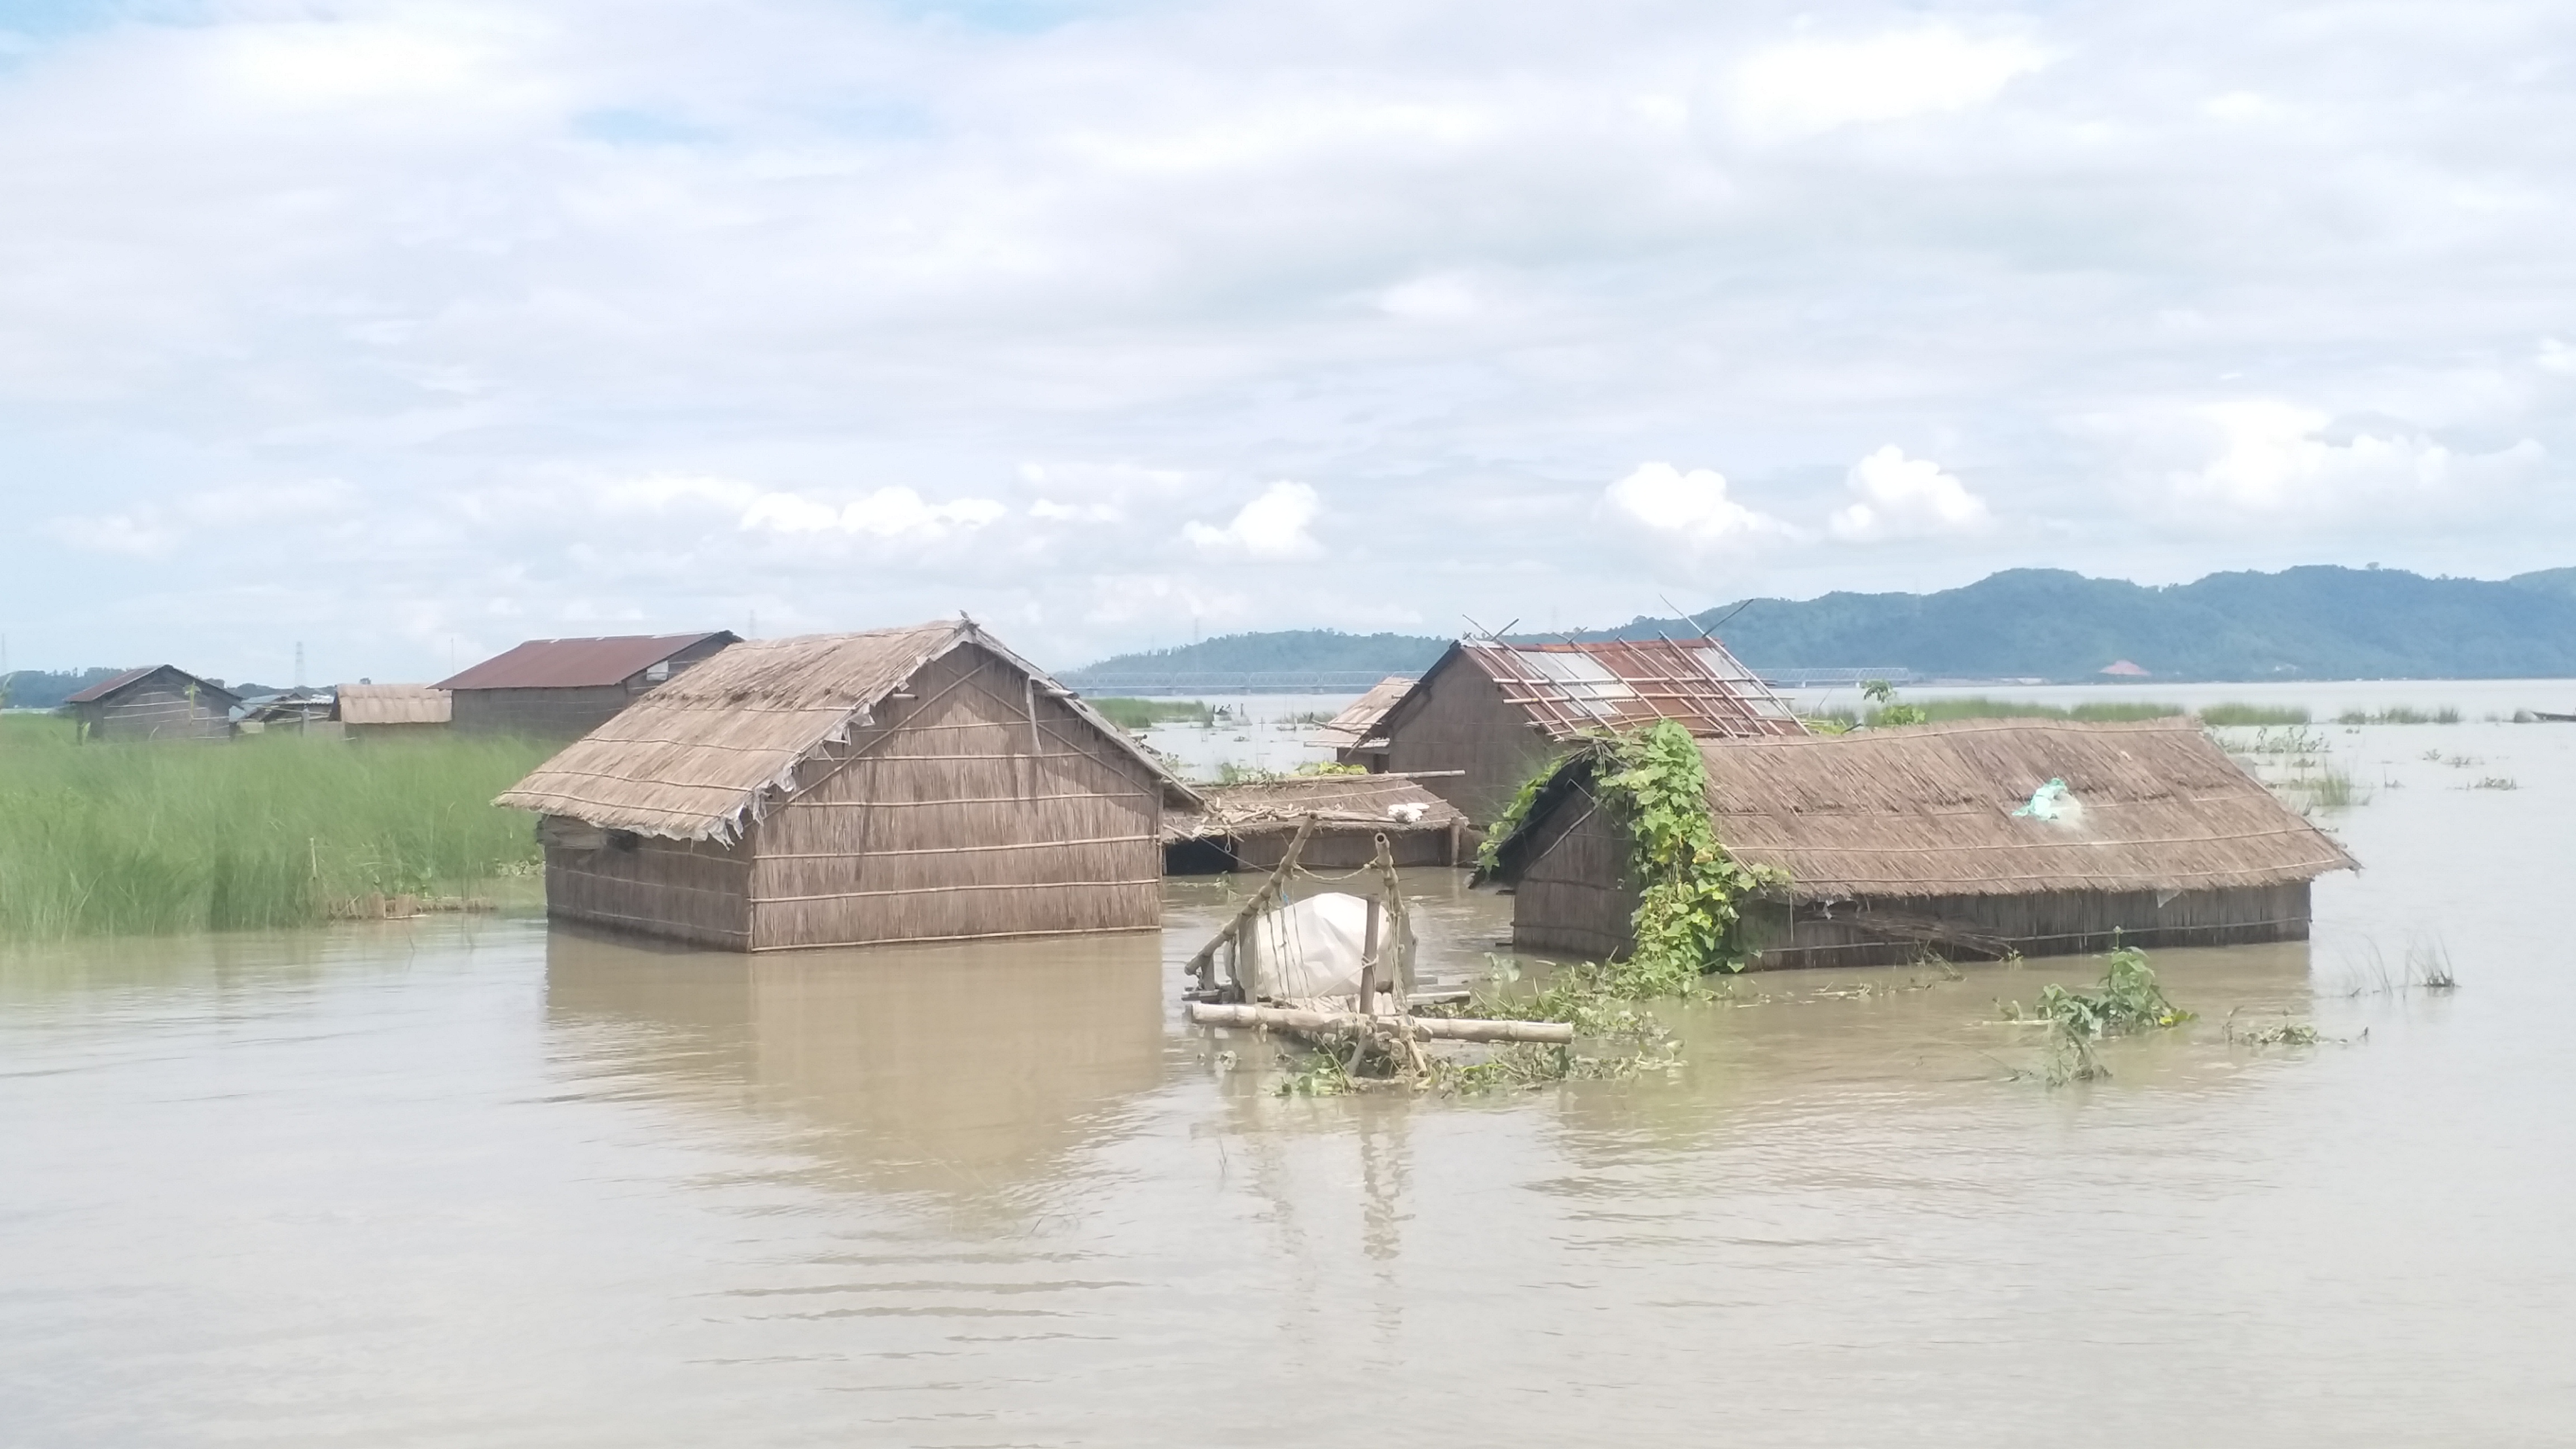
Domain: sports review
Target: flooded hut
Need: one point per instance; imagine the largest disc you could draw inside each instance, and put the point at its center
(394, 711)
(1352, 732)
(1248, 826)
(155, 702)
(917, 784)
(1979, 838)
(565, 688)
(1489, 714)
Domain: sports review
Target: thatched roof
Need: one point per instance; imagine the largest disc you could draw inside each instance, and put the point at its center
(395, 704)
(721, 744)
(1929, 811)
(1374, 802)
(1361, 715)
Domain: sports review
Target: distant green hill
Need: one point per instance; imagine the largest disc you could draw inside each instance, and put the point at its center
(2301, 623)
(44, 689)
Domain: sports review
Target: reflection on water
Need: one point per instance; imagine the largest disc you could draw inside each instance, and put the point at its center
(480, 1182)
(963, 1070)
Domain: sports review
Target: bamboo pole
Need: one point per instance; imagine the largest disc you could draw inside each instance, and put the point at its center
(1203, 965)
(1424, 1028)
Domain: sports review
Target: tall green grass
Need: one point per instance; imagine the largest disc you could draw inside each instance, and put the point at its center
(1138, 714)
(2254, 714)
(137, 839)
(2098, 710)
(2400, 714)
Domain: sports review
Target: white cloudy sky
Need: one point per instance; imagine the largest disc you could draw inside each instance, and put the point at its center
(409, 330)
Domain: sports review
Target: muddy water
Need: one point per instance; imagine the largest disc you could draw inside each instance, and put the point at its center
(487, 1184)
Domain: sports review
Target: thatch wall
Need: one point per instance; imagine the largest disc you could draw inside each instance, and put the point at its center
(682, 890)
(965, 819)
(1474, 746)
(1896, 840)
(158, 710)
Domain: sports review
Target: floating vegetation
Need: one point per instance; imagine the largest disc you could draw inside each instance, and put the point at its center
(2493, 782)
(2279, 1033)
(2128, 1002)
(2292, 741)
(2399, 714)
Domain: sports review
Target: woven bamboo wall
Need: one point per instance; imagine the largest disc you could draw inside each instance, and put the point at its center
(1459, 720)
(539, 714)
(1575, 897)
(156, 712)
(693, 891)
(954, 822)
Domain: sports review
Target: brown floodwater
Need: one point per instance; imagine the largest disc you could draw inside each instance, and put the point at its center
(486, 1183)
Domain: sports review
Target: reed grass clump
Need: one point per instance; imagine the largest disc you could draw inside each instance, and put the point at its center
(2231, 713)
(1142, 714)
(1978, 706)
(149, 839)
(2399, 714)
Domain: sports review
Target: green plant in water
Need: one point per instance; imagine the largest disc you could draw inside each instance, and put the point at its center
(2128, 1001)
(1883, 694)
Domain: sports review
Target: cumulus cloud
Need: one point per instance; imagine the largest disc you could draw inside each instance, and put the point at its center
(1690, 508)
(1902, 497)
(1272, 526)
(1816, 85)
(886, 513)
(2275, 458)
(158, 529)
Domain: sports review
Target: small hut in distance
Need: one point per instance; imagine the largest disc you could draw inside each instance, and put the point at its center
(1953, 838)
(1350, 732)
(393, 711)
(156, 702)
(917, 784)
(1490, 714)
(565, 688)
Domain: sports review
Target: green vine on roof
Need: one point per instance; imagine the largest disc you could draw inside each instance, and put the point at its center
(1690, 891)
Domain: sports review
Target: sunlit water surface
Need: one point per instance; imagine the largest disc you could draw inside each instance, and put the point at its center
(489, 1184)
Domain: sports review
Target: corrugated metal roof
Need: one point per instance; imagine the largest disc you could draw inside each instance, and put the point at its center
(577, 663)
(106, 687)
(1355, 721)
(1572, 689)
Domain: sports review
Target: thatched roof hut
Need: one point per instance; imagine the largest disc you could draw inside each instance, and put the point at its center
(1895, 841)
(1356, 725)
(394, 709)
(846, 789)
(1490, 714)
(565, 688)
(1248, 826)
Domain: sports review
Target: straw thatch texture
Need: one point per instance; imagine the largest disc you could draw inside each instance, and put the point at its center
(1248, 826)
(373, 705)
(1928, 810)
(1898, 840)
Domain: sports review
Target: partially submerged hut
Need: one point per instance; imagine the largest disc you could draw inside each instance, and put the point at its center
(2041, 837)
(565, 688)
(1490, 714)
(389, 711)
(155, 702)
(919, 784)
(1350, 732)
(1248, 826)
